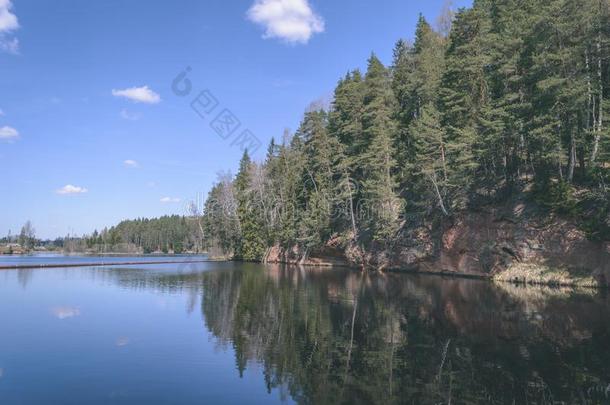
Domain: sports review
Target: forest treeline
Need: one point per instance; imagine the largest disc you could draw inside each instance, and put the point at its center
(167, 234)
(507, 99)
(175, 233)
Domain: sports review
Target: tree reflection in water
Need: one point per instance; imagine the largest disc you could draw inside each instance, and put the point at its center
(338, 336)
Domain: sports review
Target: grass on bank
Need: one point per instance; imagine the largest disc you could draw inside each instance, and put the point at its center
(530, 273)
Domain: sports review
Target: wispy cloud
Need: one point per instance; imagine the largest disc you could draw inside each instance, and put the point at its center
(132, 164)
(8, 24)
(127, 115)
(9, 45)
(167, 200)
(138, 94)
(8, 133)
(1, 112)
(293, 21)
(70, 189)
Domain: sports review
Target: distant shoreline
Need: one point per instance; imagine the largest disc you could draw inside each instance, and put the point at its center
(102, 264)
(36, 253)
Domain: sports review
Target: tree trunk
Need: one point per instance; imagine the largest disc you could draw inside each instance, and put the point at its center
(444, 160)
(590, 107)
(572, 160)
(351, 208)
(599, 124)
(438, 194)
(351, 340)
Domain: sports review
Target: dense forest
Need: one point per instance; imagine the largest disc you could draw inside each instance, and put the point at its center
(167, 234)
(502, 100)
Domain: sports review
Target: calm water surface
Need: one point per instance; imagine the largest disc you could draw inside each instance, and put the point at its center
(53, 258)
(247, 333)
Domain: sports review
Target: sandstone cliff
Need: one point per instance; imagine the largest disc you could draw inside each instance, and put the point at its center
(516, 242)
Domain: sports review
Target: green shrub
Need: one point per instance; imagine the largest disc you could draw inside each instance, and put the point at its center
(557, 196)
(595, 208)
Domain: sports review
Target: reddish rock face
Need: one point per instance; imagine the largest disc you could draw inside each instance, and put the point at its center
(481, 244)
(328, 256)
(487, 243)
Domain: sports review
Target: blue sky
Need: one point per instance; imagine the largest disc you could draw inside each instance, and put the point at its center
(90, 130)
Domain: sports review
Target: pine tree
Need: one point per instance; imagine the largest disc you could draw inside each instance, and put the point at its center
(431, 165)
(320, 173)
(251, 243)
(416, 79)
(345, 118)
(428, 50)
(345, 127)
(463, 93)
(403, 68)
(378, 155)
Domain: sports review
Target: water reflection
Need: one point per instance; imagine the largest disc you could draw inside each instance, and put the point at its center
(65, 312)
(24, 276)
(348, 337)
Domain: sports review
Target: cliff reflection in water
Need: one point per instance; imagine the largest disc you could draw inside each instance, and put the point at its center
(345, 337)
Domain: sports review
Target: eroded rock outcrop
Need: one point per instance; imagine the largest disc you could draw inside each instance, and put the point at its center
(327, 256)
(521, 237)
(517, 242)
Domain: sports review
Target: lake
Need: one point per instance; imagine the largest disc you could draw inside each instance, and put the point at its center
(55, 259)
(222, 332)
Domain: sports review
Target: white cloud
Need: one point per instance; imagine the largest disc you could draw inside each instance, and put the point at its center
(8, 133)
(151, 184)
(166, 200)
(126, 115)
(293, 21)
(2, 112)
(8, 20)
(138, 94)
(132, 164)
(8, 24)
(70, 189)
